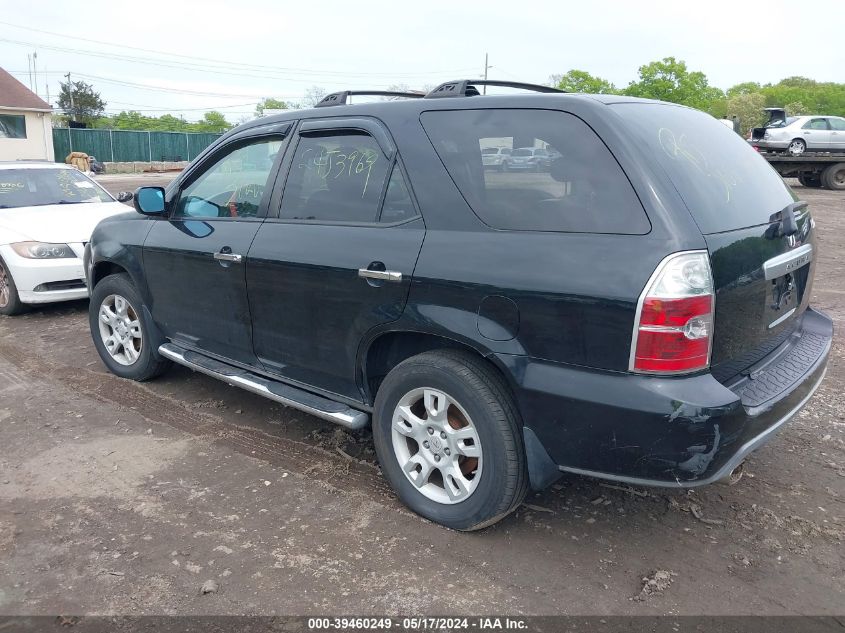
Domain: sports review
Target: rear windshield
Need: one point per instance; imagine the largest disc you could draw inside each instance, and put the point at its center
(723, 181)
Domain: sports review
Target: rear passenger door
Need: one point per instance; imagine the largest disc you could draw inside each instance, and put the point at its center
(816, 133)
(837, 134)
(337, 258)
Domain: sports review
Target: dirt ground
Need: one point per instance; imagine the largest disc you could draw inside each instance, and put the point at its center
(125, 498)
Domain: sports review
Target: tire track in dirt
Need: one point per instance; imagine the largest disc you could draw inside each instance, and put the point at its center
(324, 467)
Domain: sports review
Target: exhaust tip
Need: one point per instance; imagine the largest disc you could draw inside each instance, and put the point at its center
(735, 475)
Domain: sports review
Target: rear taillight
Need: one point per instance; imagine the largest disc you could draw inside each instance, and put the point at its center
(674, 321)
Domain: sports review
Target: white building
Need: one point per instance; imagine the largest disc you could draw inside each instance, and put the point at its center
(26, 129)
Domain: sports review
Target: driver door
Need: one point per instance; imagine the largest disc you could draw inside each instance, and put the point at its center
(194, 259)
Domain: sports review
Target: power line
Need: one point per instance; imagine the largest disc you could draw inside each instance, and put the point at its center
(231, 64)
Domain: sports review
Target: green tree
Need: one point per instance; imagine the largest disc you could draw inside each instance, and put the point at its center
(582, 81)
(746, 87)
(669, 80)
(796, 108)
(748, 108)
(80, 101)
(212, 122)
(269, 103)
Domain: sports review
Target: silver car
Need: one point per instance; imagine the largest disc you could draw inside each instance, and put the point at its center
(496, 157)
(799, 134)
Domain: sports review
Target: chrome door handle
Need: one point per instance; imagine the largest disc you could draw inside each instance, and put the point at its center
(383, 275)
(229, 257)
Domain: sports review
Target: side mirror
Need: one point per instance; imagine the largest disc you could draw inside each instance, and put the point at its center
(125, 196)
(149, 200)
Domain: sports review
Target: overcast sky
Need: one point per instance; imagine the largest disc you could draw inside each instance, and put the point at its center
(259, 48)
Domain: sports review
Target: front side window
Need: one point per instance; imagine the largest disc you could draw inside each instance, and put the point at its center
(232, 187)
(574, 186)
(40, 187)
(837, 124)
(12, 126)
(336, 177)
(816, 124)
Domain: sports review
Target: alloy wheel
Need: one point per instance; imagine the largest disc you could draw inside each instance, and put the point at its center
(796, 147)
(437, 445)
(120, 329)
(5, 290)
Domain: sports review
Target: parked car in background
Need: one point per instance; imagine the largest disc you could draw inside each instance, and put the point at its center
(799, 134)
(532, 158)
(47, 214)
(496, 157)
(638, 312)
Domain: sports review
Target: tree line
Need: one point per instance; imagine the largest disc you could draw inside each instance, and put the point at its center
(669, 79)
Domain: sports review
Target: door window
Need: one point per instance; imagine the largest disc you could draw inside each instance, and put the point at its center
(232, 187)
(336, 177)
(837, 124)
(816, 124)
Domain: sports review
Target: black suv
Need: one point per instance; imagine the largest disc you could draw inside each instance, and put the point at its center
(636, 311)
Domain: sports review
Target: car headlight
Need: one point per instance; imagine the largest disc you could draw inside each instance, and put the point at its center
(42, 250)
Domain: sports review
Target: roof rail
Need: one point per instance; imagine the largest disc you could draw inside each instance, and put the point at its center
(467, 87)
(339, 98)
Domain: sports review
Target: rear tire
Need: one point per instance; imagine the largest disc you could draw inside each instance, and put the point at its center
(10, 301)
(444, 400)
(796, 147)
(834, 177)
(121, 332)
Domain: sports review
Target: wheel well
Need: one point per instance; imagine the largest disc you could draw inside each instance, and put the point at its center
(392, 348)
(104, 269)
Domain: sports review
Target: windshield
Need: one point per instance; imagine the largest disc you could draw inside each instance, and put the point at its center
(522, 152)
(38, 187)
(724, 183)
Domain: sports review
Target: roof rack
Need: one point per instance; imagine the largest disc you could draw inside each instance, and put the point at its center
(467, 88)
(339, 98)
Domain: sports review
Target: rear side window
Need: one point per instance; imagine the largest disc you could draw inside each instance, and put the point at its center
(724, 183)
(336, 177)
(559, 176)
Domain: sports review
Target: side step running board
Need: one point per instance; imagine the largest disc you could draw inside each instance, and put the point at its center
(280, 392)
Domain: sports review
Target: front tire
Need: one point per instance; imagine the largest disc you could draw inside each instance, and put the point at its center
(10, 301)
(121, 332)
(449, 439)
(796, 147)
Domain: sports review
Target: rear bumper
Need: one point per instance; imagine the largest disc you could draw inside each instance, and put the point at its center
(677, 432)
(767, 144)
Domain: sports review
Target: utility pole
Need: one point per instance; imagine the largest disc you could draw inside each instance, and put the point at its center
(70, 93)
(35, 69)
(486, 68)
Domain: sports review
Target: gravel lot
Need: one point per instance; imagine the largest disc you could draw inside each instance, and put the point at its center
(124, 498)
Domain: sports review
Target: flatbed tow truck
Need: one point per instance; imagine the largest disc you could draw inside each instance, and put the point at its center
(812, 169)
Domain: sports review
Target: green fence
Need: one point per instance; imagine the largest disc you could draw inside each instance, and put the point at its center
(127, 146)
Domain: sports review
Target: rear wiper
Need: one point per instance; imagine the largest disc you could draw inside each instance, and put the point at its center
(786, 220)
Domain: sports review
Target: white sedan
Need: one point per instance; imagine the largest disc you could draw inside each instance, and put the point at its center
(47, 214)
